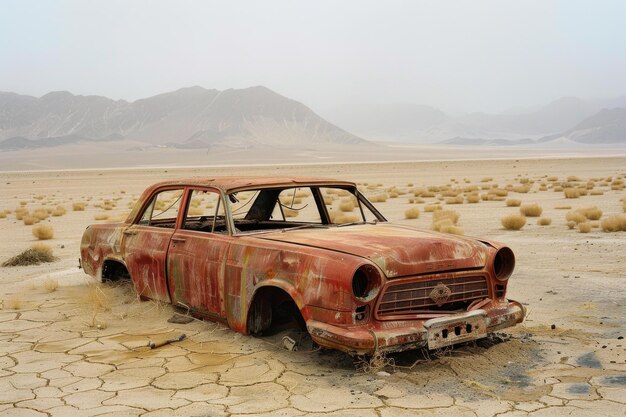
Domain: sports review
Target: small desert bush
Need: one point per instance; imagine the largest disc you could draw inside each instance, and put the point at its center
(13, 302)
(43, 231)
(37, 254)
(544, 221)
(576, 217)
(596, 192)
(473, 198)
(444, 218)
(289, 212)
(432, 207)
(58, 211)
(29, 220)
(451, 229)
(41, 214)
(328, 200)
(100, 216)
(50, 285)
(584, 227)
(78, 206)
(346, 205)
(591, 213)
(412, 213)
(513, 221)
(379, 198)
(486, 179)
(3, 214)
(513, 202)
(195, 211)
(531, 210)
(571, 224)
(624, 204)
(614, 223)
(552, 178)
(563, 208)
(522, 189)
(455, 200)
(571, 193)
(345, 218)
(20, 213)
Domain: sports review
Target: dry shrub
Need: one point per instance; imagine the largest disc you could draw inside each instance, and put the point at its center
(58, 211)
(455, 200)
(50, 285)
(624, 204)
(584, 227)
(78, 206)
(289, 212)
(498, 192)
(571, 193)
(572, 178)
(346, 205)
(37, 254)
(345, 218)
(43, 231)
(596, 192)
(591, 213)
(195, 211)
(513, 202)
(557, 188)
(29, 220)
(576, 217)
(563, 208)
(571, 224)
(522, 189)
(451, 229)
(328, 200)
(100, 216)
(473, 198)
(412, 213)
(3, 214)
(544, 221)
(14, 302)
(444, 218)
(531, 210)
(552, 178)
(379, 198)
(432, 207)
(513, 221)
(614, 223)
(486, 179)
(41, 214)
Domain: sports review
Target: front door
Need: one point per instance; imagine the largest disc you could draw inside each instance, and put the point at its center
(146, 242)
(197, 256)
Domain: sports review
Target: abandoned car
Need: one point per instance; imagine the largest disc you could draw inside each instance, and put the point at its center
(253, 252)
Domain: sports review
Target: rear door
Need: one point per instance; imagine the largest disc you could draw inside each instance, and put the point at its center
(146, 242)
(197, 256)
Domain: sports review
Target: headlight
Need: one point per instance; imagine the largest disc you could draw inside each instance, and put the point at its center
(365, 282)
(503, 263)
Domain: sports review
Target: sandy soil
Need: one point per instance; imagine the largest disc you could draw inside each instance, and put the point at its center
(81, 349)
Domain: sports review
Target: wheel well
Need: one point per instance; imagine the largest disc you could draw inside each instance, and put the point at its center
(273, 309)
(114, 271)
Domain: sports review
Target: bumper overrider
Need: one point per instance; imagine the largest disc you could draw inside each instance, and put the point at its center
(399, 335)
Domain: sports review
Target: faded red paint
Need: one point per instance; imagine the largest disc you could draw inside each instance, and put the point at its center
(218, 275)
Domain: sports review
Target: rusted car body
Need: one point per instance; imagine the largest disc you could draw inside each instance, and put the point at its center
(249, 251)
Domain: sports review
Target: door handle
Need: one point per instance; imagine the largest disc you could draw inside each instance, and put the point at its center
(130, 232)
(178, 240)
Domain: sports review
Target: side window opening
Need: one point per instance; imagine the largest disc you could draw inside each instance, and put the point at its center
(163, 209)
(205, 212)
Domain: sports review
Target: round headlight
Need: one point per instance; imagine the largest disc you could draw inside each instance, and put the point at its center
(365, 281)
(503, 263)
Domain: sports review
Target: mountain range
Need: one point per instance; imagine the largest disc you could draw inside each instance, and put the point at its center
(187, 118)
(573, 118)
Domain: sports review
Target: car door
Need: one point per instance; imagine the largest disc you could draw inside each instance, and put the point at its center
(196, 260)
(146, 242)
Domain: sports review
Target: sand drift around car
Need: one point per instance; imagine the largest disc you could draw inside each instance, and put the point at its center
(259, 252)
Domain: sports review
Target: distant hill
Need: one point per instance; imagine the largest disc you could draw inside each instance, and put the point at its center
(608, 126)
(189, 118)
(424, 124)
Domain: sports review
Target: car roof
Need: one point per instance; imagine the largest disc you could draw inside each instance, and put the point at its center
(231, 184)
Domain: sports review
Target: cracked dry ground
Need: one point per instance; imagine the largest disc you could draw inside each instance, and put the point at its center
(82, 350)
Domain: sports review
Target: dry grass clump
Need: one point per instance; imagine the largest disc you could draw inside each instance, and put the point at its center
(596, 192)
(571, 224)
(50, 285)
(544, 221)
(100, 216)
(41, 214)
(37, 254)
(473, 198)
(513, 202)
(571, 193)
(486, 179)
(513, 221)
(591, 213)
(379, 198)
(614, 223)
(552, 178)
(563, 208)
(195, 211)
(43, 231)
(455, 200)
(346, 205)
(576, 217)
(29, 220)
(451, 229)
(531, 210)
(521, 189)
(432, 207)
(624, 204)
(412, 213)
(584, 227)
(58, 211)
(13, 302)
(344, 218)
(3, 214)
(289, 212)
(444, 218)
(328, 200)
(78, 206)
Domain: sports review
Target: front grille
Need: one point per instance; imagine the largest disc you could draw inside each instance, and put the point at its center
(431, 295)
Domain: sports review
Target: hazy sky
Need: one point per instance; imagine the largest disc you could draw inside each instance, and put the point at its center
(457, 55)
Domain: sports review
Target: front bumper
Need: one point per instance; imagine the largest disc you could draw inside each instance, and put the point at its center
(399, 335)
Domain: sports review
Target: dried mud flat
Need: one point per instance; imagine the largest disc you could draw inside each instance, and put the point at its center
(81, 348)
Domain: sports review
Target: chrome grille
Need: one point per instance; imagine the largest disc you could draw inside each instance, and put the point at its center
(415, 297)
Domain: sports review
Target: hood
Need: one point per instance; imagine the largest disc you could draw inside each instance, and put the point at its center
(398, 250)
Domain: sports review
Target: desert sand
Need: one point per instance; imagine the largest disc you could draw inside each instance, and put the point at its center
(80, 348)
